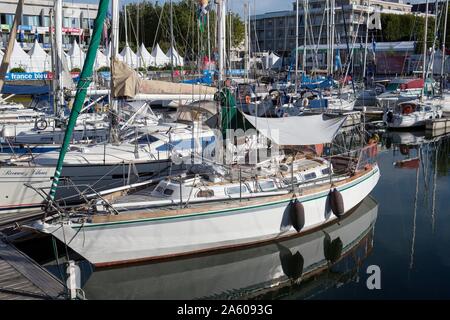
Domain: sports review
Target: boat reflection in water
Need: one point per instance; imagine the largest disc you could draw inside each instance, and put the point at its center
(296, 267)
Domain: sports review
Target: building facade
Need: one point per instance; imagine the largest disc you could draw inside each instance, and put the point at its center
(275, 31)
(78, 22)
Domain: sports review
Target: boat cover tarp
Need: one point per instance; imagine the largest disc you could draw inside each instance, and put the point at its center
(297, 131)
(25, 89)
(127, 83)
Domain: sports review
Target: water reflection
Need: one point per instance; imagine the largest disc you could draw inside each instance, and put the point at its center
(297, 267)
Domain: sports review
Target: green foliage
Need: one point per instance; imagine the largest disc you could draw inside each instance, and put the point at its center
(104, 69)
(17, 70)
(189, 40)
(407, 27)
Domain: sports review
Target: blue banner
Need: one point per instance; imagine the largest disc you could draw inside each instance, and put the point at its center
(25, 28)
(16, 76)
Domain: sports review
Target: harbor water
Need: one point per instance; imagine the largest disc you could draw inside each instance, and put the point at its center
(400, 231)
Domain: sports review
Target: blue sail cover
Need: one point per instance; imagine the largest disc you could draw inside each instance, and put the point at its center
(324, 84)
(25, 89)
(206, 79)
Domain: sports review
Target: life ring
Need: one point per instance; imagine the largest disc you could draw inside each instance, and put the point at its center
(248, 99)
(41, 124)
(407, 109)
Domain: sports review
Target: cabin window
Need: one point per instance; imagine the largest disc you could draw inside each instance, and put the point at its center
(147, 139)
(267, 186)
(310, 176)
(326, 171)
(235, 190)
(168, 192)
(205, 193)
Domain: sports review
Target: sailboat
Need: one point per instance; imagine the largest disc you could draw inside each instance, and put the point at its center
(184, 216)
(251, 272)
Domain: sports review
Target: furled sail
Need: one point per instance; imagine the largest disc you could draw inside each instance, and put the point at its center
(127, 83)
(296, 131)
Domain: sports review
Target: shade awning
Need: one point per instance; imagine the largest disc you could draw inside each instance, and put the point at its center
(300, 130)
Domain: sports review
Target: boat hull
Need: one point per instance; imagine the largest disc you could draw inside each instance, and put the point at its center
(15, 196)
(243, 273)
(240, 224)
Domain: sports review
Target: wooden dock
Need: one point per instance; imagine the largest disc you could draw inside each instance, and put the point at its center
(438, 126)
(21, 278)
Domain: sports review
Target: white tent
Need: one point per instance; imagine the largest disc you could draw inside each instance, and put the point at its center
(77, 56)
(177, 59)
(128, 56)
(101, 60)
(160, 58)
(40, 61)
(67, 61)
(144, 57)
(19, 58)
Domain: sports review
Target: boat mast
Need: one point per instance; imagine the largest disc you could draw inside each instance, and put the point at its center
(126, 24)
(83, 84)
(296, 47)
(11, 41)
(221, 15)
(59, 57)
(246, 40)
(305, 25)
(171, 40)
(332, 35)
(424, 69)
(114, 51)
(209, 41)
(443, 45)
(367, 39)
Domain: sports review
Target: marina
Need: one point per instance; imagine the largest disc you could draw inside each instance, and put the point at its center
(177, 151)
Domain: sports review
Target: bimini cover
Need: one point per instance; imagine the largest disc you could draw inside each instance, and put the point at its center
(77, 56)
(19, 58)
(40, 61)
(128, 56)
(177, 59)
(297, 131)
(160, 58)
(101, 60)
(144, 58)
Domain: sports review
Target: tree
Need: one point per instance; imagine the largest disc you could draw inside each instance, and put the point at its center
(407, 27)
(154, 27)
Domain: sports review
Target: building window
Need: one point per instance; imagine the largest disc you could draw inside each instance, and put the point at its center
(9, 19)
(46, 22)
(30, 20)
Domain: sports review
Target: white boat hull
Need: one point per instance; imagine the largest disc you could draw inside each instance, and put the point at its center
(15, 197)
(125, 241)
(238, 273)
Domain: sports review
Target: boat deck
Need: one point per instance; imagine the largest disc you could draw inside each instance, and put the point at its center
(23, 279)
